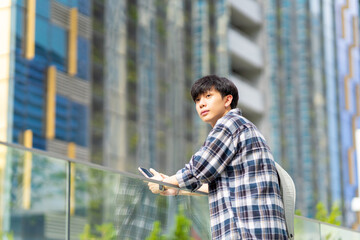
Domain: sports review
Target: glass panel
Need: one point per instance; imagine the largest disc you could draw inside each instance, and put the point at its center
(43, 214)
(43, 8)
(83, 59)
(42, 37)
(84, 7)
(58, 46)
(306, 230)
(329, 232)
(105, 205)
(122, 207)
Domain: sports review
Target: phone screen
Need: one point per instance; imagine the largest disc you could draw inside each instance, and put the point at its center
(145, 172)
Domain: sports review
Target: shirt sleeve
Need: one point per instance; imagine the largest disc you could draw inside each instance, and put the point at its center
(207, 163)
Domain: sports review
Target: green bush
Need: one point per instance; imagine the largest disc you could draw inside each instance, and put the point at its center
(182, 229)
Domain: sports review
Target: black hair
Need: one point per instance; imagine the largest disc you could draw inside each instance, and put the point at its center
(221, 84)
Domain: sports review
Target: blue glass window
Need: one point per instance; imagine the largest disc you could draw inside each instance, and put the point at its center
(19, 28)
(42, 41)
(79, 124)
(58, 44)
(65, 2)
(85, 7)
(43, 8)
(71, 121)
(62, 104)
(20, 3)
(83, 59)
(29, 110)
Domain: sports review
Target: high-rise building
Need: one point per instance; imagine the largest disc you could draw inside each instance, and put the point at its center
(348, 85)
(47, 80)
(247, 59)
(297, 97)
(312, 68)
(290, 94)
(114, 83)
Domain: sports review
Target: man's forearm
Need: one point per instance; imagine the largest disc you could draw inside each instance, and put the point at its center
(172, 180)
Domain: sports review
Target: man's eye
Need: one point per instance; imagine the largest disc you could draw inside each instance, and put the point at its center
(208, 95)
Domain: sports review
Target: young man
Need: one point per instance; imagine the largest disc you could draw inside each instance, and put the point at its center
(235, 166)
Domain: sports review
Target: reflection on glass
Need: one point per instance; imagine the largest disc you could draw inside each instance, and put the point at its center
(46, 216)
(107, 205)
(329, 232)
(123, 208)
(306, 230)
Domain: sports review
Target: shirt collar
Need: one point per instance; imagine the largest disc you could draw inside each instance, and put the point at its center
(235, 111)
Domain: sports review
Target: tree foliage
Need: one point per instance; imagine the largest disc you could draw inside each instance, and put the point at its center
(323, 215)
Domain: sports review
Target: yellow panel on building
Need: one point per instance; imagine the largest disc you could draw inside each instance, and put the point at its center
(72, 155)
(27, 139)
(72, 42)
(30, 29)
(50, 102)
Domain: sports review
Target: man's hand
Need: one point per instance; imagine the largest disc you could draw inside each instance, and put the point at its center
(171, 191)
(172, 180)
(154, 187)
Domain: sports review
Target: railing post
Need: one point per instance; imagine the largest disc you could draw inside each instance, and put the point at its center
(68, 189)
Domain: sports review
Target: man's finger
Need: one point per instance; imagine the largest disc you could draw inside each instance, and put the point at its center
(153, 171)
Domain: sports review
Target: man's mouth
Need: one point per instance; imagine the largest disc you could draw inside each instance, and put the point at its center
(203, 113)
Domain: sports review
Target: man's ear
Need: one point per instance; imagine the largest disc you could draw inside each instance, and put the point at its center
(228, 100)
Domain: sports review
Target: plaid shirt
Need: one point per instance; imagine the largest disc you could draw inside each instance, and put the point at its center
(244, 192)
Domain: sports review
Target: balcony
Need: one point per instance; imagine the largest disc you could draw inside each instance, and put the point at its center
(245, 54)
(250, 98)
(47, 197)
(246, 13)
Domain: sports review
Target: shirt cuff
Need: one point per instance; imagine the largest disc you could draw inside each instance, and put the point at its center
(187, 180)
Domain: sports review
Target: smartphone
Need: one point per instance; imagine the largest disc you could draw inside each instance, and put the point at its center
(148, 174)
(145, 172)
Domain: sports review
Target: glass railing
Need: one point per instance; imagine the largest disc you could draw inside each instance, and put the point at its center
(309, 229)
(45, 197)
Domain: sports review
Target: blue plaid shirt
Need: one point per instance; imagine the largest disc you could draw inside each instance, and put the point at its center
(244, 192)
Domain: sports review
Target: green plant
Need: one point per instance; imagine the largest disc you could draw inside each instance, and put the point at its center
(8, 236)
(87, 233)
(182, 226)
(105, 231)
(181, 231)
(323, 215)
(156, 232)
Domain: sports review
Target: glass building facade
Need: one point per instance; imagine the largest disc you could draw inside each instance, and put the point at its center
(348, 84)
(313, 74)
(42, 40)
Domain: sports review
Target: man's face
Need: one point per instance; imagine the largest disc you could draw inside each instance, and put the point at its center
(211, 106)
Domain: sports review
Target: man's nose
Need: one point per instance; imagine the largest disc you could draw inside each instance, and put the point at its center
(202, 102)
